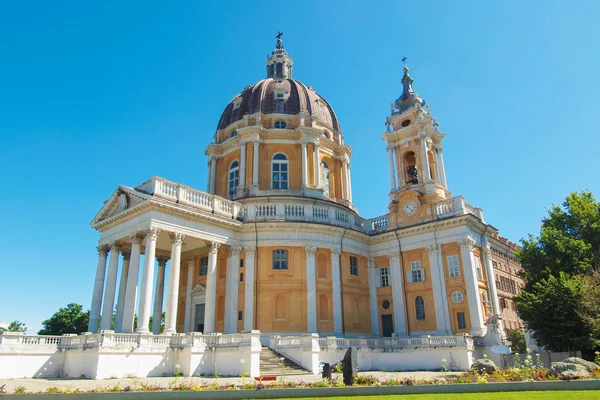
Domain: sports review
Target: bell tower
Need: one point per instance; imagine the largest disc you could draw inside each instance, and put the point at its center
(414, 146)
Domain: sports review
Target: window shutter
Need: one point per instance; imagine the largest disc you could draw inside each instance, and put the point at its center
(409, 276)
(377, 277)
(423, 274)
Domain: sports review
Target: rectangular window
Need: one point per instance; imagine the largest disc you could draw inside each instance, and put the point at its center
(203, 266)
(242, 263)
(478, 266)
(241, 277)
(384, 277)
(240, 315)
(462, 322)
(417, 273)
(494, 264)
(453, 267)
(353, 266)
(280, 259)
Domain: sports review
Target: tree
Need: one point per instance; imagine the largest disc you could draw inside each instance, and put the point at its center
(71, 319)
(15, 326)
(590, 302)
(517, 340)
(556, 267)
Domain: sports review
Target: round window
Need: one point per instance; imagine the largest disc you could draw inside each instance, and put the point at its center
(406, 123)
(385, 304)
(457, 297)
(280, 124)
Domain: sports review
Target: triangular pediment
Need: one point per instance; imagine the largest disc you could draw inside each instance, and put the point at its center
(199, 289)
(122, 199)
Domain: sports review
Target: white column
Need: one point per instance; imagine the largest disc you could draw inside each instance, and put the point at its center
(345, 178)
(426, 174)
(98, 290)
(438, 284)
(213, 169)
(304, 163)
(173, 288)
(472, 285)
(393, 184)
(243, 165)
(397, 296)
(111, 285)
(132, 284)
(211, 288)
(191, 264)
(489, 269)
(249, 289)
(255, 164)
(208, 178)
(348, 168)
(231, 289)
(442, 170)
(317, 166)
(122, 291)
(337, 293)
(159, 293)
(145, 301)
(400, 170)
(373, 297)
(311, 289)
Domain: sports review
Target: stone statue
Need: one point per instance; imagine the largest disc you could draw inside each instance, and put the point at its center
(413, 175)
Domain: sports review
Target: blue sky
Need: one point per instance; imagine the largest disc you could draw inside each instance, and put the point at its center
(97, 94)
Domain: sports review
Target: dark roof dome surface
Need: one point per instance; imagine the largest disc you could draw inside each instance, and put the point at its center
(261, 98)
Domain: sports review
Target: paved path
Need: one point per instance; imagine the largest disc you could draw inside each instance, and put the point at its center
(40, 385)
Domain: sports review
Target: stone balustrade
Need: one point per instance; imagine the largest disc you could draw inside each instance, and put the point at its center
(289, 207)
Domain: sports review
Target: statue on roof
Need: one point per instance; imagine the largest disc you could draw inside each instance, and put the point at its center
(279, 41)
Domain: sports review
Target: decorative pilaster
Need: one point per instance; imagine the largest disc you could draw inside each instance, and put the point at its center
(438, 284)
(337, 293)
(147, 281)
(249, 289)
(211, 288)
(426, 171)
(345, 179)
(122, 291)
(111, 285)
(242, 181)
(213, 169)
(348, 168)
(255, 164)
(317, 166)
(373, 297)
(191, 264)
(159, 293)
(132, 284)
(304, 163)
(231, 289)
(173, 288)
(393, 185)
(311, 289)
(475, 309)
(98, 289)
(442, 169)
(397, 296)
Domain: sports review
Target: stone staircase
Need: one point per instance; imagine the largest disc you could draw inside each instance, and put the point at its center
(270, 364)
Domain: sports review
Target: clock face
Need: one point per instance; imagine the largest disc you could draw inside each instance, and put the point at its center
(410, 209)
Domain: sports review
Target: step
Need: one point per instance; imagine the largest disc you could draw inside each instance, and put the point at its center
(270, 364)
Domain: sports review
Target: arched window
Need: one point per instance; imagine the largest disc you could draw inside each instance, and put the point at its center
(280, 171)
(325, 134)
(232, 134)
(324, 171)
(420, 308)
(234, 178)
(279, 70)
(410, 168)
(272, 70)
(280, 124)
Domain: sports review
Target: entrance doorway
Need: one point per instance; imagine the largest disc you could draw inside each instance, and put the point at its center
(199, 318)
(387, 325)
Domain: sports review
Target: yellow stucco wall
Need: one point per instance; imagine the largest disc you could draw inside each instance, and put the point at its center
(456, 284)
(355, 295)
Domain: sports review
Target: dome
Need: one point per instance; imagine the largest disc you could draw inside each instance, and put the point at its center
(277, 96)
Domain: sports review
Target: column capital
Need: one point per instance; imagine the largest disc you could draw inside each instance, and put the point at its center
(310, 250)
(486, 249)
(213, 247)
(102, 250)
(249, 250)
(233, 251)
(191, 261)
(434, 248)
(423, 135)
(394, 257)
(162, 260)
(115, 246)
(336, 252)
(371, 262)
(126, 254)
(316, 143)
(176, 238)
(467, 243)
(152, 233)
(137, 238)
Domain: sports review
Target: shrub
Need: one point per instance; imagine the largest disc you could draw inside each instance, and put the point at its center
(53, 389)
(20, 390)
(364, 380)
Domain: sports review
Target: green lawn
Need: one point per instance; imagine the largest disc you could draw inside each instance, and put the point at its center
(555, 394)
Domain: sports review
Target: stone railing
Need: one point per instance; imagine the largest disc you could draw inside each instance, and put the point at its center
(182, 194)
(459, 341)
(19, 339)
